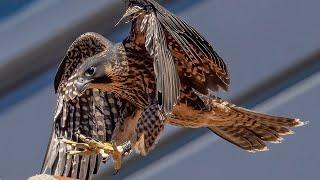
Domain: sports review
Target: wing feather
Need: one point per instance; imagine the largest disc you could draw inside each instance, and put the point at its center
(181, 28)
(194, 45)
(85, 113)
(240, 137)
(175, 47)
(149, 128)
(165, 69)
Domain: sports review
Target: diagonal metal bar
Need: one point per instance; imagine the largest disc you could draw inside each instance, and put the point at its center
(44, 56)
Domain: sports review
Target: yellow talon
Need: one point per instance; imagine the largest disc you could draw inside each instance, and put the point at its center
(91, 146)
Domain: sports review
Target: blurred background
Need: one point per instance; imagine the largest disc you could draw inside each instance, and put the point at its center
(272, 49)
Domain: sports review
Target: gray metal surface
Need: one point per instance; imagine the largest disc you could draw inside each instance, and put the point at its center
(257, 40)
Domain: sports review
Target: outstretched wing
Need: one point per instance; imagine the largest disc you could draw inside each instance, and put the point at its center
(94, 113)
(199, 55)
(147, 34)
(170, 40)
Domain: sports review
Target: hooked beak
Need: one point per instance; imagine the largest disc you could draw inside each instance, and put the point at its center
(129, 14)
(82, 84)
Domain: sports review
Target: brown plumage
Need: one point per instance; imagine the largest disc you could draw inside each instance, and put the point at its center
(94, 113)
(242, 127)
(161, 43)
(162, 72)
(120, 70)
(159, 32)
(141, 93)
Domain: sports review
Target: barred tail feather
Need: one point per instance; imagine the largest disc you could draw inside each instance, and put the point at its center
(268, 119)
(249, 129)
(253, 137)
(245, 128)
(240, 137)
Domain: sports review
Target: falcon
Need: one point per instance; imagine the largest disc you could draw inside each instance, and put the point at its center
(94, 114)
(171, 49)
(117, 70)
(130, 70)
(161, 73)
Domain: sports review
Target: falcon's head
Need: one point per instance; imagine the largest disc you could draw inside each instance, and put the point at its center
(101, 71)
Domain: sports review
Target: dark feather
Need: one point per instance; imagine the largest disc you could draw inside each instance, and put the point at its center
(149, 127)
(92, 113)
(164, 66)
(196, 49)
(175, 47)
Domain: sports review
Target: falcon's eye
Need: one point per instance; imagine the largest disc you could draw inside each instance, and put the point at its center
(90, 71)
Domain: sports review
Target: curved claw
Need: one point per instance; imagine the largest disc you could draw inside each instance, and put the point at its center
(116, 172)
(92, 146)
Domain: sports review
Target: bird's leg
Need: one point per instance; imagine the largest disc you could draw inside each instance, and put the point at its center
(91, 146)
(116, 156)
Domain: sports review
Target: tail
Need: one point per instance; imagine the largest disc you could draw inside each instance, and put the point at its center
(249, 130)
